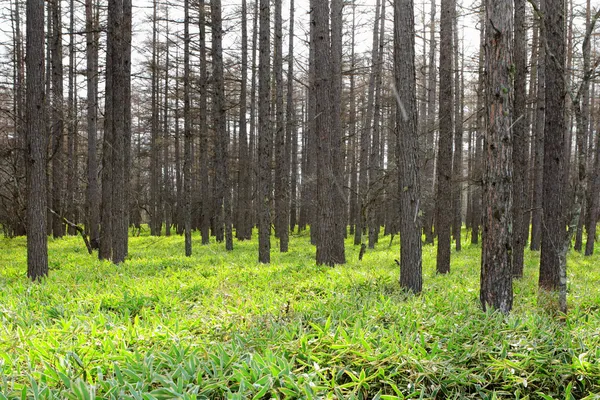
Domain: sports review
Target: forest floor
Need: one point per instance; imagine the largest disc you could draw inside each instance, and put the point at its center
(220, 325)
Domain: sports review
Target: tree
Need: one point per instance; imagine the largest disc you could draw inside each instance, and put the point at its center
(496, 262)
(446, 116)
(330, 240)
(281, 173)
(411, 276)
(554, 222)
(187, 134)
(222, 191)
(520, 129)
(93, 190)
(244, 206)
(265, 138)
(37, 241)
(58, 228)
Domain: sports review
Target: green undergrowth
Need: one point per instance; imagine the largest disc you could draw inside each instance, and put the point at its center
(219, 325)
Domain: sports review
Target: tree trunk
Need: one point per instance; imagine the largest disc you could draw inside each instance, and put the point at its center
(187, 132)
(265, 138)
(444, 164)
(553, 228)
(58, 228)
(519, 155)
(93, 191)
(411, 275)
(496, 264)
(281, 174)
(37, 241)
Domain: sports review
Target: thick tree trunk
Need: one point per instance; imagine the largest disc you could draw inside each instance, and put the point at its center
(187, 132)
(206, 204)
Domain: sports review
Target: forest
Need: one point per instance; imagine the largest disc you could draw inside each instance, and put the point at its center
(316, 199)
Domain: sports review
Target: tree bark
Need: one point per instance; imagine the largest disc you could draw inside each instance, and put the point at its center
(37, 241)
(519, 155)
(446, 117)
(496, 263)
(265, 137)
(411, 275)
(554, 223)
(93, 190)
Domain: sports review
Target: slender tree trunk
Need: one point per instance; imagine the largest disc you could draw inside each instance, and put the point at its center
(37, 241)
(71, 126)
(365, 139)
(477, 163)
(281, 189)
(429, 161)
(496, 264)
(520, 128)
(338, 143)
(166, 210)
(187, 131)
(93, 190)
(538, 169)
(457, 162)
(444, 164)
(411, 275)
(265, 137)
(223, 191)
(244, 229)
(118, 212)
(553, 227)
(291, 150)
(155, 220)
(58, 229)
(206, 208)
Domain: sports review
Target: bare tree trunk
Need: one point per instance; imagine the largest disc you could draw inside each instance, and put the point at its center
(265, 138)
(538, 168)
(166, 190)
(444, 164)
(206, 207)
(365, 139)
(519, 137)
(553, 228)
(118, 212)
(330, 249)
(155, 220)
(457, 162)
(37, 241)
(429, 161)
(187, 131)
(291, 150)
(244, 228)
(93, 191)
(71, 126)
(496, 264)
(476, 179)
(281, 189)
(411, 275)
(58, 228)
(223, 191)
(337, 150)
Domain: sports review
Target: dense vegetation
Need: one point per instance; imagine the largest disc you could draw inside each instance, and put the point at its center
(220, 325)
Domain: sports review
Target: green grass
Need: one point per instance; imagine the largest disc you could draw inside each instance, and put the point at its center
(220, 325)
